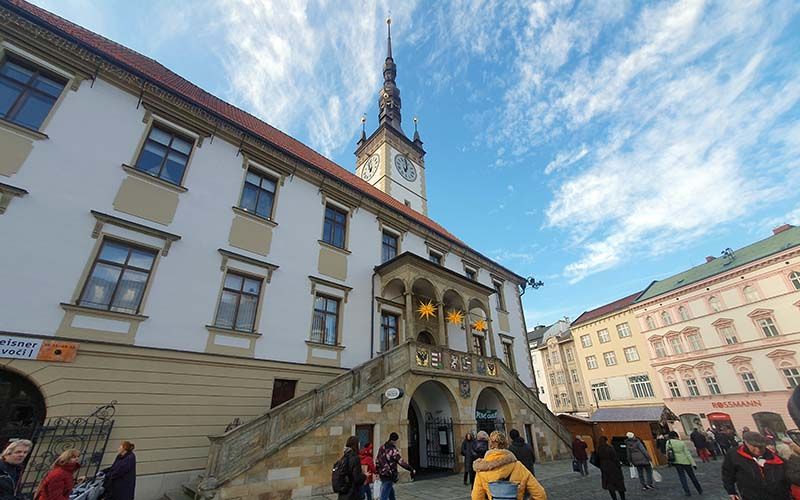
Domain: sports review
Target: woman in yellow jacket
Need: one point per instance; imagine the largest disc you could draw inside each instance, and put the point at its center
(499, 464)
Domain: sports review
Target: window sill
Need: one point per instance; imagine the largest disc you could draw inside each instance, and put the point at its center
(499, 309)
(254, 217)
(23, 130)
(230, 331)
(336, 347)
(102, 312)
(335, 248)
(151, 178)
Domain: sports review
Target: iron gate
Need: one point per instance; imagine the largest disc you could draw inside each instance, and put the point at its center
(439, 442)
(58, 434)
(491, 424)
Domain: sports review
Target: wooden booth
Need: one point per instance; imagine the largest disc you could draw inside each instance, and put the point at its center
(646, 422)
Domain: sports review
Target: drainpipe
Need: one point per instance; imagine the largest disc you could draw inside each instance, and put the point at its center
(372, 318)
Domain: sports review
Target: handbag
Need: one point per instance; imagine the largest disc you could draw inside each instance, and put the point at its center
(594, 459)
(576, 467)
(670, 454)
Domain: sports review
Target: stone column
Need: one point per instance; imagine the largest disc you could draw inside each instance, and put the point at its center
(442, 325)
(408, 332)
(490, 337)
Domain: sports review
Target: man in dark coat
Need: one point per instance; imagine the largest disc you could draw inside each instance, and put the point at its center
(352, 470)
(610, 469)
(700, 442)
(579, 453)
(755, 471)
(521, 450)
(469, 458)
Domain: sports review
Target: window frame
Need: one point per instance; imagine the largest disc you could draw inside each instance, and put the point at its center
(601, 392)
(601, 335)
(586, 340)
(384, 245)
(650, 322)
(263, 175)
(335, 210)
(479, 345)
(666, 318)
(633, 349)
(626, 328)
(501, 300)
(384, 339)
(751, 297)
(692, 387)
(641, 386)
(659, 348)
(712, 306)
(749, 381)
(683, 313)
(261, 282)
(772, 326)
(28, 88)
(174, 132)
(794, 279)
(593, 359)
(792, 380)
(694, 334)
(673, 338)
(713, 386)
(674, 389)
(338, 315)
(508, 353)
(613, 358)
(436, 257)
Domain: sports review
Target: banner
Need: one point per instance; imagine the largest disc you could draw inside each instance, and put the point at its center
(38, 349)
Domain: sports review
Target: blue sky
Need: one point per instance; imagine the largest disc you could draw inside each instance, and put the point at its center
(595, 145)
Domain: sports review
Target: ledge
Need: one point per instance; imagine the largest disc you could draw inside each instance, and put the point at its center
(23, 130)
(134, 226)
(235, 333)
(152, 178)
(334, 247)
(254, 217)
(248, 260)
(12, 190)
(102, 312)
(336, 347)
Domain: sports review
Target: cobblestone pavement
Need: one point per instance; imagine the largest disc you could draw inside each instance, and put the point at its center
(562, 484)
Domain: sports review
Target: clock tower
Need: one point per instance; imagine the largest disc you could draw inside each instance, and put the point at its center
(388, 159)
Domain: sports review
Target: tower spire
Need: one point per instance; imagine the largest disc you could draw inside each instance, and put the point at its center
(389, 98)
(389, 38)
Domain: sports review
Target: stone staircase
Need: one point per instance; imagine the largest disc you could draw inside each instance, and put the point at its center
(236, 451)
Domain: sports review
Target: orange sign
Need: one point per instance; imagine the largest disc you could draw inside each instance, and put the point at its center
(38, 349)
(54, 350)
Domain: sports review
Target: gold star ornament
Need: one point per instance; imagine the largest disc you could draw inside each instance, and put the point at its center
(479, 325)
(455, 317)
(426, 310)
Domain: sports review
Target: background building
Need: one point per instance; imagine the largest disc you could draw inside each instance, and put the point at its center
(724, 336)
(563, 371)
(535, 337)
(614, 357)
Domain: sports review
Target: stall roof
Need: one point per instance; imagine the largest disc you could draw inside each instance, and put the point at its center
(632, 414)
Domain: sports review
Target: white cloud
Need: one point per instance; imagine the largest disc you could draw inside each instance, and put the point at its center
(565, 159)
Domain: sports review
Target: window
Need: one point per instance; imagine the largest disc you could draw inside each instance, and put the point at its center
(666, 319)
(659, 349)
(165, 154)
(508, 354)
(238, 303)
(568, 354)
(600, 392)
(691, 384)
(118, 278)
(579, 398)
(389, 333)
(501, 300)
(674, 389)
(767, 326)
(750, 294)
(574, 375)
(749, 382)
(436, 258)
(27, 93)
(565, 399)
(792, 376)
(713, 386)
(552, 379)
(282, 391)
(556, 358)
(258, 194)
(591, 362)
(335, 227)
(586, 340)
(631, 354)
(470, 274)
(641, 387)
(623, 330)
(695, 344)
(478, 345)
(560, 377)
(651, 324)
(325, 327)
(676, 345)
(603, 336)
(610, 358)
(683, 313)
(794, 277)
(389, 246)
(729, 334)
(714, 304)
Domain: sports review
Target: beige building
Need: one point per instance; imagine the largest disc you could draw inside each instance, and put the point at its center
(724, 337)
(614, 357)
(562, 371)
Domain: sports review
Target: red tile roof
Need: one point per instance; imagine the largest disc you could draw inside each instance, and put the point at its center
(174, 83)
(606, 309)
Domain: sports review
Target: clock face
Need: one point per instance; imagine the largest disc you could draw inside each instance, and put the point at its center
(370, 167)
(405, 168)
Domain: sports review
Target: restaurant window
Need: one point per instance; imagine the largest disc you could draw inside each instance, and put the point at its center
(258, 194)
(165, 154)
(335, 228)
(325, 326)
(238, 302)
(389, 246)
(27, 92)
(389, 333)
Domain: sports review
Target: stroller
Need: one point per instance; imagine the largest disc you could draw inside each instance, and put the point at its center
(91, 489)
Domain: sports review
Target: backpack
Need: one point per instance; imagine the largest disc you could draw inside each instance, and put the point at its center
(340, 477)
(383, 466)
(670, 454)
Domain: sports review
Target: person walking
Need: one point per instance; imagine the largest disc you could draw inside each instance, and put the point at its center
(386, 464)
(11, 467)
(60, 480)
(499, 464)
(754, 471)
(521, 450)
(350, 477)
(792, 461)
(683, 462)
(700, 444)
(469, 457)
(579, 454)
(481, 445)
(711, 439)
(639, 458)
(610, 469)
(120, 480)
(368, 469)
(725, 441)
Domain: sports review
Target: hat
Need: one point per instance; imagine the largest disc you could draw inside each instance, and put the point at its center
(630, 435)
(754, 438)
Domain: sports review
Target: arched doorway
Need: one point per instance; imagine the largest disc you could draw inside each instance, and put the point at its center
(720, 421)
(431, 443)
(22, 407)
(690, 421)
(769, 421)
(425, 338)
(491, 411)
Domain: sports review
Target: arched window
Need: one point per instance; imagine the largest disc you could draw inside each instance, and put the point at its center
(651, 324)
(794, 277)
(684, 313)
(714, 304)
(658, 348)
(666, 318)
(750, 294)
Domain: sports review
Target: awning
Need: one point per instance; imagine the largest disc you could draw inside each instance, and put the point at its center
(633, 414)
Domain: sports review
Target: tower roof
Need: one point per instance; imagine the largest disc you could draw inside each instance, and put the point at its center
(389, 98)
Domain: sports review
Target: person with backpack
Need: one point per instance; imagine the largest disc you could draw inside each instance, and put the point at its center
(522, 450)
(678, 456)
(500, 464)
(368, 468)
(346, 478)
(386, 464)
(640, 458)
